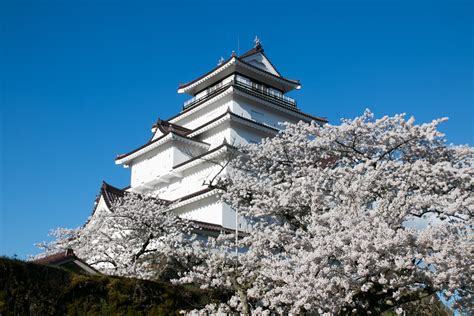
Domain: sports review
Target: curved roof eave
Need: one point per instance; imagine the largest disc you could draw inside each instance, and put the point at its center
(185, 88)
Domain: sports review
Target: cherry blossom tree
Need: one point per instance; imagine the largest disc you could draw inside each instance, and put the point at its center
(356, 218)
(137, 237)
(362, 217)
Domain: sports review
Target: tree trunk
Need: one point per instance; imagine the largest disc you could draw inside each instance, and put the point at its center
(244, 301)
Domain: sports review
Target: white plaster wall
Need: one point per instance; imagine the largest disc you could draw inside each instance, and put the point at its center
(241, 134)
(228, 218)
(151, 165)
(216, 135)
(211, 210)
(183, 152)
(208, 210)
(192, 181)
(161, 160)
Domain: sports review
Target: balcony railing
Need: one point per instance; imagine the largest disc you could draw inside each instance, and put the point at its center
(250, 86)
(255, 87)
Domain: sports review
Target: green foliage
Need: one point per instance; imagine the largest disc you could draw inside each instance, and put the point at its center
(31, 289)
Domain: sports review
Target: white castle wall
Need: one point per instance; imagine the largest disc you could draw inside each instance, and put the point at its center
(192, 180)
(241, 135)
(152, 164)
(160, 161)
(207, 210)
(211, 210)
(216, 136)
(183, 152)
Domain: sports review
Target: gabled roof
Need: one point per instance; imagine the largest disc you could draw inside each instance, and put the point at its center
(258, 50)
(163, 127)
(166, 127)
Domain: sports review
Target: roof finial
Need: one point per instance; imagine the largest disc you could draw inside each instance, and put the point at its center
(221, 61)
(257, 42)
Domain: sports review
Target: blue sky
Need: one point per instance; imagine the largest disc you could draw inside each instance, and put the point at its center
(83, 81)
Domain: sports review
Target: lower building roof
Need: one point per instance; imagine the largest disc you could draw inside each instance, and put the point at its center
(66, 258)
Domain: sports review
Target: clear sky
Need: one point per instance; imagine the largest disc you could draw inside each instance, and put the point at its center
(83, 81)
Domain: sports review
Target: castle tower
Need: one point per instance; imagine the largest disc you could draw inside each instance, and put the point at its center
(242, 100)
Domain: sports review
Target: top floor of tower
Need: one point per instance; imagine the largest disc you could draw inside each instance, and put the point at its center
(252, 71)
